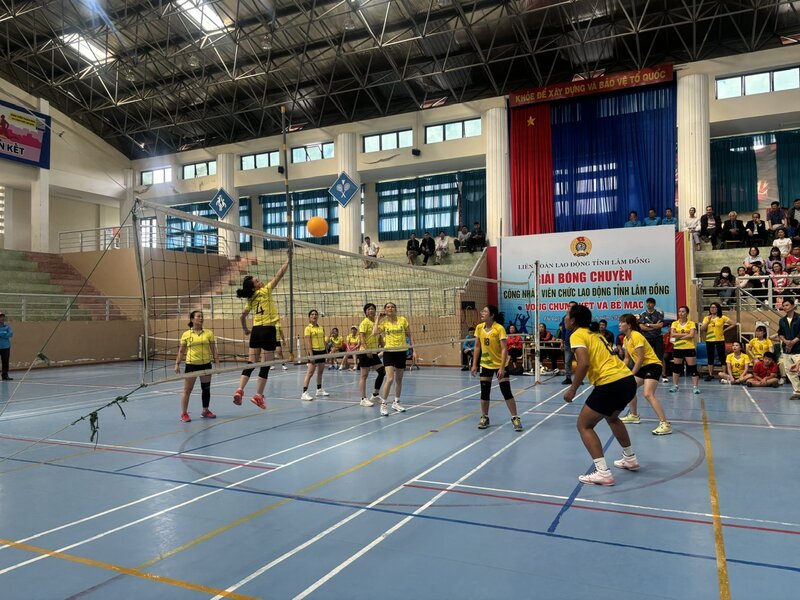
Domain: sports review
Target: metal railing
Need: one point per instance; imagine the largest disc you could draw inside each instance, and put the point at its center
(54, 307)
(89, 240)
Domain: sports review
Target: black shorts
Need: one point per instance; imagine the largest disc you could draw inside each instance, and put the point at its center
(317, 361)
(365, 362)
(395, 358)
(192, 368)
(515, 353)
(490, 372)
(651, 371)
(683, 353)
(264, 337)
(612, 397)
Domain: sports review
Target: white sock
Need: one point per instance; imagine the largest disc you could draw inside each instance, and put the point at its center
(600, 464)
(396, 399)
(628, 452)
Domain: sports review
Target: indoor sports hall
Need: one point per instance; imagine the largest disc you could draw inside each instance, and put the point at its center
(377, 232)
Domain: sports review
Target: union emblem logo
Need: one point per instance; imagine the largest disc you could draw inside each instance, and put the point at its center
(581, 246)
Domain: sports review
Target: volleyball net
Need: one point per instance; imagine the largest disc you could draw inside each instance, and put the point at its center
(199, 263)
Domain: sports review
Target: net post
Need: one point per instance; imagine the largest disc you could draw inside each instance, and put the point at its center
(135, 210)
(537, 360)
(289, 223)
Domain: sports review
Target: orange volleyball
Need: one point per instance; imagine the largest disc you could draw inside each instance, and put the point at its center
(317, 226)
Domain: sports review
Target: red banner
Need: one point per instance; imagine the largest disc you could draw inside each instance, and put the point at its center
(532, 206)
(596, 85)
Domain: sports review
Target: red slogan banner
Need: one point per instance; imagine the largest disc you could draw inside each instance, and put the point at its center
(606, 83)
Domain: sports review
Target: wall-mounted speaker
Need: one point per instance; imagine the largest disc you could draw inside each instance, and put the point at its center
(281, 169)
(416, 152)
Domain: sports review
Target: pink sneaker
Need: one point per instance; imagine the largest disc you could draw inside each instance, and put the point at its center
(598, 478)
(258, 400)
(186, 418)
(207, 414)
(237, 397)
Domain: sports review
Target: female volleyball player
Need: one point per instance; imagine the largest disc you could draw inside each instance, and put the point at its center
(683, 333)
(369, 359)
(614, 388)
(715, 325)
(351, 344)
(758, 345)
(335, 344)
(315, 344)
(646, 368)
(198, 347)
(491, 353)
(264, 336)
(395, 331)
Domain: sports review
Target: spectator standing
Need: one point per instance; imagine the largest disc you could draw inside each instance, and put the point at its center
(477, 238)
(710, 227)
(733, 229)
(370, 250)
(669, 219)
(461, 241)
(789, 335)
(794, 212)
(468, 349)
(633, 220)
(651, 321)
(715, 324)
(651, 218)
(603, 324)
(756, 230)
(6, 334)
(692, 225)
(725, 284)
(412, 249)
(442, 247)
(776, 217)
(426, 247)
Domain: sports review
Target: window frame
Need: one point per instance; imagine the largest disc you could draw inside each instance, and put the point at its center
(452, 131)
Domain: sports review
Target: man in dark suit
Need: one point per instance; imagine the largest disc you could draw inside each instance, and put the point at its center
(710, 227)
(733, 229)
(426, 247)
(756, 230)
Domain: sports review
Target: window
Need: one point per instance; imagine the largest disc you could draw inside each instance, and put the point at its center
(260, 160)
(756, 84)
(452, 131)
(201, 169)
(307, 204)
(388, 141)
(155, 176)
(192, 236)
(202, 14)
(149, 232)
(729, 88)
(245, 220)
(88, 51)
(788, 79)
(312, 152)
(595, 189)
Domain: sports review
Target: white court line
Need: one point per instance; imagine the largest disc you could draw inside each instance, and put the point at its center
(339, 568)
(372, 504)
(202, 496)
(758, 408)
(578, 500)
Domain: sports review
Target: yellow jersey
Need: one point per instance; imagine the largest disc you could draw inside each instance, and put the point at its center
(262, 305)
(317, 335)
(757, 347)
(366, 328)
(198, 346)
(604, 364)
(394, 334)
(716, 328)
(737, 366)
(683, 329)
(353, 341)
(336, 342)
(637, 340)
(491, 348)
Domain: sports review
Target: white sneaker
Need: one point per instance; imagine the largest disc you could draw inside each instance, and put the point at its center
(284, 367)
(365, 402)
(664, 380)
(598, 478)
(398, 407)
(306, 396)
(384, 410)
(627, 462)
(341, 368)
(322, 392)
(725, 381)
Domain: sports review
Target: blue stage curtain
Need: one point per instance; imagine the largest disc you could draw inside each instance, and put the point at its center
(788, 154)
(473, 198)
(613, 153)
(734, 176)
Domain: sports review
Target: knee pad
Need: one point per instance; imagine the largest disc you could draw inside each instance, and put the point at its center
(379, 379)
(248, 372)
(486, 387)
(205, 391)
(505, 389)
(691, 370)
(263, 372)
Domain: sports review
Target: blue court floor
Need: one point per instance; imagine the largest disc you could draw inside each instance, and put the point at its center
(326, 499)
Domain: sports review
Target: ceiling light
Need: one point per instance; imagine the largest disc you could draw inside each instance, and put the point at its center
(89, 51)
(434, 103)
(266, 41)
(203, 15)
(349, 24)
(296, 127)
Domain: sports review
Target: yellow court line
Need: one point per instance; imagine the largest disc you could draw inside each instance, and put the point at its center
(302, 492)
(126, 571)
(719, 542)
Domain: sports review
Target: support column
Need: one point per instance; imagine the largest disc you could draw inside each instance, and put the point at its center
(498, 176)
(694, 145)
(40, 202)
(6, 195)
(350, 215)
(371, 210)
(225, 180)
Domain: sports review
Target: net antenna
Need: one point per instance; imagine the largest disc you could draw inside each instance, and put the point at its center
(537, 346)
(289, 222)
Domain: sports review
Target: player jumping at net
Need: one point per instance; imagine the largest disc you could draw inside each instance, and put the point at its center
(369, 359)
(614, 387)
(491, 353)
(315, 339)
(198, 347)
(395, 330)
(264, 336)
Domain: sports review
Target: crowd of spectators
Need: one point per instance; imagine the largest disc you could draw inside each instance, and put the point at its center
(439, 247)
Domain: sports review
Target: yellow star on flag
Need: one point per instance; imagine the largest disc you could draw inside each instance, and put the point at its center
(531, 121)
